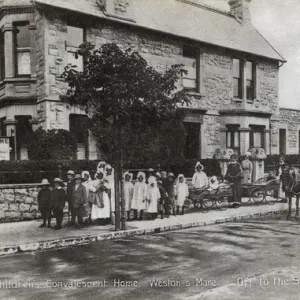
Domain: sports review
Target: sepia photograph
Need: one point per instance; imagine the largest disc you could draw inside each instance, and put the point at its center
(149, 149)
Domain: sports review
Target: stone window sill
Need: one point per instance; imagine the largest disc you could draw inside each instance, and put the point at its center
(238, 100)
(196, 94)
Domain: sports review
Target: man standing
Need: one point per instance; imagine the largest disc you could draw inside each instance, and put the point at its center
(79, 200)
(70, 186)
(44, 198)
(58, 196)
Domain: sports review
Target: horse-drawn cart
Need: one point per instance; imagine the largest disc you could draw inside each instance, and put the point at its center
(261, 190)
(205, 198)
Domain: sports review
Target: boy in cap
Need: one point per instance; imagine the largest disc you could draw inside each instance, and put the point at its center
(79, 200)
(58, 197)
(70, 185)
(44, 198)
(163, 203)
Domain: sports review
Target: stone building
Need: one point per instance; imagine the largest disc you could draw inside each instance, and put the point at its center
(232, 69)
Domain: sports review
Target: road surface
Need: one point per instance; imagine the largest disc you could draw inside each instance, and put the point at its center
(242, 260)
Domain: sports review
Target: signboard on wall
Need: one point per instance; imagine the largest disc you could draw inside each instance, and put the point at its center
(4, 148)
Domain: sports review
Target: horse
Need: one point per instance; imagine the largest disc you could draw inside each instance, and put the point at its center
(292, 189)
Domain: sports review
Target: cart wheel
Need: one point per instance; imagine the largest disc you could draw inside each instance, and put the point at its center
(220, 202)
(207, 200)
(258, 195)
(271, 195)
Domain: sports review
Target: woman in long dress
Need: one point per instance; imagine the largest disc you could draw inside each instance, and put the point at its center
(181, 192)
(281, 169)
(101, 203)
(247, 168)
(234, 175)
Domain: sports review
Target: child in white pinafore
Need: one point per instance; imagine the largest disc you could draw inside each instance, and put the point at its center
(153, 197)
(127, 192)
(181, 193)
(139, 196)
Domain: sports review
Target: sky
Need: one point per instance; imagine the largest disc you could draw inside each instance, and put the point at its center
(278, 21)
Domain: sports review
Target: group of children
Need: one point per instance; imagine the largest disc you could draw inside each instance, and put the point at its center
(94, 199)
(155, 194)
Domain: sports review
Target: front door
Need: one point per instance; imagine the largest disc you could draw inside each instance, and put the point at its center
(282, 141)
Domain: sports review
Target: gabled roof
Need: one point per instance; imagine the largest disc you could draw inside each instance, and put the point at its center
(175, 17)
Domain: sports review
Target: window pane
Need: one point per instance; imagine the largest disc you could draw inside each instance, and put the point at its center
(228, 143)
(236, 68)
(76, 62)
(236, 139)
(249, 70)
(75, 36)
(257, 139)
(190, 52)
(23, 63)
(23, 36)
(249, 90)
(2, 60)
(236, 88)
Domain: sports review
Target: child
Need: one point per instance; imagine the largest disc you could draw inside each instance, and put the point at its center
(213, 183)
(79, 200)
(58, 198)
(88, 185)
(200, 179)
(44, 198)
(127, 192)
(181, 192)
(151, 175)
(139, 196)
(271, 175)
(163, 203)
(153, 197)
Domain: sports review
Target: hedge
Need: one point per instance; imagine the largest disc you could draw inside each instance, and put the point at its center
(272, 160)
(34, 171)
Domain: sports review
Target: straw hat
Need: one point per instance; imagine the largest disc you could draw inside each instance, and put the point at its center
(70, 172)
(45, 182)
(151, 170)
(78, 176)
(58, 180)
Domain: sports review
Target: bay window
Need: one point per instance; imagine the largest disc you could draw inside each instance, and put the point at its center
(22, 49)
(257, 136)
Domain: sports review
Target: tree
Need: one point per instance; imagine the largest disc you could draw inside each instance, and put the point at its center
(121, 92)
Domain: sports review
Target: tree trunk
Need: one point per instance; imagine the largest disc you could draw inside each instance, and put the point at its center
(123, 212)
(117, 191)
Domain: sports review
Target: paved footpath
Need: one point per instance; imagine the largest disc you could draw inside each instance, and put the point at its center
(27, 236)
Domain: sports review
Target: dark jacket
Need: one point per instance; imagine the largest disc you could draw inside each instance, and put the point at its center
(58, 198)
(70, 187)
(79, 196)
(44, 198)
(234, 172)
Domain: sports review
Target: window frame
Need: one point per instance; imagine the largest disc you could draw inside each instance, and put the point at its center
(196, 56)
(232, 131)
(240, 79)
(73, 49)
(18, 50)
(253, 86)
(257, 129)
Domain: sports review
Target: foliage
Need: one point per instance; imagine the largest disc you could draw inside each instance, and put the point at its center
(122, 93)
(51, 144)
(273, 160)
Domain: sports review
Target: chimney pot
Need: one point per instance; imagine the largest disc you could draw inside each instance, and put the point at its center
(241, 10)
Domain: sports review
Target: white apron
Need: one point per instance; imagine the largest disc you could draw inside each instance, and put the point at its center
(139, 196)
(182, 192)
(153, 195)
(127, 194)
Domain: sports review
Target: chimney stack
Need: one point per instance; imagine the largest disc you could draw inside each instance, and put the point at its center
(241, 10)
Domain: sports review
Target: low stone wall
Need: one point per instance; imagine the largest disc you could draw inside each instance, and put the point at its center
(18, 202)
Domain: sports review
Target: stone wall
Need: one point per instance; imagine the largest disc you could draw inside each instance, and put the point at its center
(18, 202)
(289, 119)
(211, 132)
